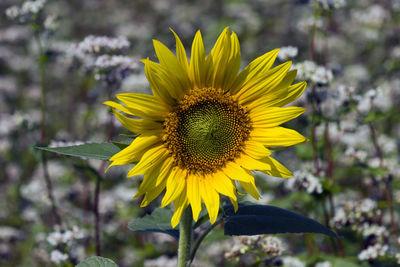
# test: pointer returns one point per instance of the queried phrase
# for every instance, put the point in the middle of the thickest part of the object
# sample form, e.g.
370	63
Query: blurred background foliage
64	58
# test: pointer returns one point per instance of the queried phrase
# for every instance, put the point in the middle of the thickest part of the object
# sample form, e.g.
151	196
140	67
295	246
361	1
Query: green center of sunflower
207	130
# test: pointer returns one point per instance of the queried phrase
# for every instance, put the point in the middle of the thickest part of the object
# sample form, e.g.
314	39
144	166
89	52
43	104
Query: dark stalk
329	171
42	60
97	223
388	193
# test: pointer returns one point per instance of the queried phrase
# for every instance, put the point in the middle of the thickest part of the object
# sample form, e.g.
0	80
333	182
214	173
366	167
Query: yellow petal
197	61
180	205
139	126
234	203
235	172
273	116
150	159
181	53
149	181
151	195
251	189
234	63
277	137
141	105
279	98
162	89
135	150
176	183
222	184
256	149
290	95
258	66
210	198
263	84
193	194
277	169
219	56
252	164
172	68
165	169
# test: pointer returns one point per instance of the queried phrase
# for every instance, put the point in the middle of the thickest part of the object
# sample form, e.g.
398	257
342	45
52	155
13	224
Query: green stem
200	239
185	238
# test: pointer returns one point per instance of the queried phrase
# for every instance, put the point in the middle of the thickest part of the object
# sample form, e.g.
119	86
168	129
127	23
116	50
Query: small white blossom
308	70
55	143
330	4
28	8
270	246
292	262
355	213
304	180
358	154
373	229
374	16
307	23
107	61
373	252
323	264
8	233
287	52
65	237
58	257
98	44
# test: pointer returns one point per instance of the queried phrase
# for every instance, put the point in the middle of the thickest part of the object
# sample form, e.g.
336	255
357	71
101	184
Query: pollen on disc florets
206	130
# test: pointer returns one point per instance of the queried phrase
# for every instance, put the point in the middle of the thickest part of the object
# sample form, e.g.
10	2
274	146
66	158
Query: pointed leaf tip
265	219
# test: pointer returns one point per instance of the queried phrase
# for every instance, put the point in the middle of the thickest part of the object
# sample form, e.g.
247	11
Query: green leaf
97	261
158	221
344	263
265	219
101	151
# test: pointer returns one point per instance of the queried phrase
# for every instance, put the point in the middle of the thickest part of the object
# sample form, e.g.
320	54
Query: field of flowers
60	60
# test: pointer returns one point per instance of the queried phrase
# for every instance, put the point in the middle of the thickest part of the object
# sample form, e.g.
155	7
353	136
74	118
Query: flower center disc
207	130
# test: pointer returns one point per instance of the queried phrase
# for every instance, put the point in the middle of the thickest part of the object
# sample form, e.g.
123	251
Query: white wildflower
162	261
308	70
304	180
54	143
27	9
287	52
7	233
323	264
292	262
58	257
373	230
307	23
374	16
355	213
99	44
357	154
373	252
107	62
330	4
270	246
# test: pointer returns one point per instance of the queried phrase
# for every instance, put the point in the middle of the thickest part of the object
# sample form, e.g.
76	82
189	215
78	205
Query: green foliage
158	221
97	261
264	219
101	151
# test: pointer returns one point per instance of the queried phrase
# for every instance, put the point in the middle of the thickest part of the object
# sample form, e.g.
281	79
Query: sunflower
207	125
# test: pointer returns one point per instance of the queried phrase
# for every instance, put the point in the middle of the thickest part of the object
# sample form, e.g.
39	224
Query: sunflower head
207	125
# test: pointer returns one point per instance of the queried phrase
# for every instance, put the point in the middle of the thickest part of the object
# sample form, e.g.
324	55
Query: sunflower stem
185	238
